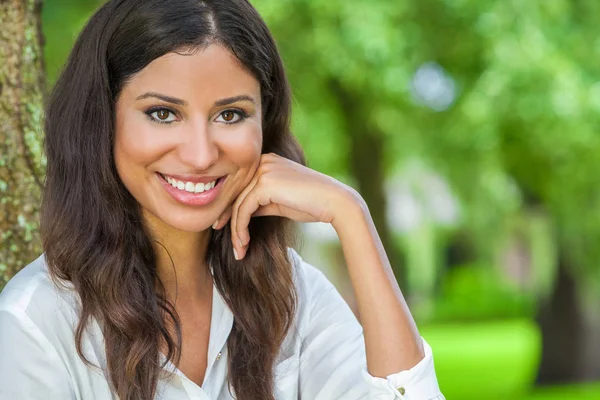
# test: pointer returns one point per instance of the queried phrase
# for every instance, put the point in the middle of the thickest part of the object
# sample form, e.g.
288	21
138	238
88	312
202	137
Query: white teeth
190	186
208	186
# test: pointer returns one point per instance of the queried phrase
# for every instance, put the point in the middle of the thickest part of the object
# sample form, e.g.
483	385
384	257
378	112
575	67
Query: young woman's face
182	123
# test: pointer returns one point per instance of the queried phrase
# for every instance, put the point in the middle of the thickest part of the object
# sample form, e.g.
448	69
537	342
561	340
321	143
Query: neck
181	263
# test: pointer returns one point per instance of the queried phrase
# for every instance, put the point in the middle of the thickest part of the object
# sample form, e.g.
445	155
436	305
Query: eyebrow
180	102
168	99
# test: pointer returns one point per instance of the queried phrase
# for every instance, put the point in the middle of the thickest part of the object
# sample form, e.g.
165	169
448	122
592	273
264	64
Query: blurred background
470	127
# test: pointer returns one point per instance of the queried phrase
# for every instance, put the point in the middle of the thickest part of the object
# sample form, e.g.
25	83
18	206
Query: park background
470	127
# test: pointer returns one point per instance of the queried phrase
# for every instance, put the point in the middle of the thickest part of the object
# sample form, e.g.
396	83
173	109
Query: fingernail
240	242
214	226
235	254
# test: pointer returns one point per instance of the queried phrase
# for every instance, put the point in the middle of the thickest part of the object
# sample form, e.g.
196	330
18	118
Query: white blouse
322	357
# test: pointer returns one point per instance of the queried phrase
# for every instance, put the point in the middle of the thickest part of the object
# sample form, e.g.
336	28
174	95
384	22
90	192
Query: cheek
133	152
136	146
244	148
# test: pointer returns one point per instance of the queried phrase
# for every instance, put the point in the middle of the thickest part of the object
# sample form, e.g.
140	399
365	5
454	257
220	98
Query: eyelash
240	113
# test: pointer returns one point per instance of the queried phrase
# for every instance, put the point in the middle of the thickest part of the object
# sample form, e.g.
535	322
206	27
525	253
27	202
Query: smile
190	187
190	191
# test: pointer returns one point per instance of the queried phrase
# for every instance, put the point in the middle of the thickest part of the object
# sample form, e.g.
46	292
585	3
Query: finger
242	242
278	210
223	219
235	239
268	210
253	201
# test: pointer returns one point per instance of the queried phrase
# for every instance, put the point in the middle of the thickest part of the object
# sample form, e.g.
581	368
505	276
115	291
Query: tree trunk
570	347
366	164
21	105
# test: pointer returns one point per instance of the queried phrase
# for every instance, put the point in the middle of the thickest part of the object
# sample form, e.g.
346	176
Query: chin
190	225
182	222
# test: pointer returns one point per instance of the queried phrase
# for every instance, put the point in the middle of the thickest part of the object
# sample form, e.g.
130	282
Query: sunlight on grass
580	392
494	361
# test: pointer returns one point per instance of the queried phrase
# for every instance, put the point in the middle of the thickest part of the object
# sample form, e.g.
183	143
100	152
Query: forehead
201	76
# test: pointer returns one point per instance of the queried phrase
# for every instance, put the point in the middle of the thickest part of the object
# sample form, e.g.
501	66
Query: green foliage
478	292
522	131
62	21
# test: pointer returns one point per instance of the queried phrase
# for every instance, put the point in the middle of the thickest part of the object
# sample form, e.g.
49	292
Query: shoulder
32	296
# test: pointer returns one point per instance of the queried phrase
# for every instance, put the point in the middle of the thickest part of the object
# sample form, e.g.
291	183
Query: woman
171	173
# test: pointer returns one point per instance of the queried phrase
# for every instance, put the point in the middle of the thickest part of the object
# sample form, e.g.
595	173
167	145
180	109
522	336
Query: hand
281	187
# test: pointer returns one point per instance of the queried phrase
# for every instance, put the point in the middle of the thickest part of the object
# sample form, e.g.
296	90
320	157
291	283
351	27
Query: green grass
493	361
580	392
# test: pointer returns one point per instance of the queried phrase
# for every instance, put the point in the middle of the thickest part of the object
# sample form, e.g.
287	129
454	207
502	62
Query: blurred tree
525	126
330	50
502	97
21	164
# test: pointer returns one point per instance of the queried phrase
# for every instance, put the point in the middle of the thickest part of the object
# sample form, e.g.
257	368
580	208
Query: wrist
349	207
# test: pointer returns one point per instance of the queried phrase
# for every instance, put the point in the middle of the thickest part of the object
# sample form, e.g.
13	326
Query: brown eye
162	114
228	116
232	116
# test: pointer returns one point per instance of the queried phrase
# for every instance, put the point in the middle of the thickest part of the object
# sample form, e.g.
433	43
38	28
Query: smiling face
182	123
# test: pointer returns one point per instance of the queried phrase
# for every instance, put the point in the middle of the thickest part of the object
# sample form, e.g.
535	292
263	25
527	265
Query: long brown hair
92	229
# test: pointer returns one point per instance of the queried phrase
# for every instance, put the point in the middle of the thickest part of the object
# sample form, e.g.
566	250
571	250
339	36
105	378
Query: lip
192	178
193	199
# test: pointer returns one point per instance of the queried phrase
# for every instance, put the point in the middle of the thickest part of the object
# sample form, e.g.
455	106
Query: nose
198	150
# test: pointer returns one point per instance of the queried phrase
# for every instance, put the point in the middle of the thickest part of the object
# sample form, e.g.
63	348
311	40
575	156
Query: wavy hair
92	229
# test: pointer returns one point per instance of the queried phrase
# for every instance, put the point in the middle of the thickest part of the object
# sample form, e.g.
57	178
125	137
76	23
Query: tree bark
570	348
21	109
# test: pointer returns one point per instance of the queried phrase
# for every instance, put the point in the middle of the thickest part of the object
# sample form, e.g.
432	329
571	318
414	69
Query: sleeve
30	368
333	359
